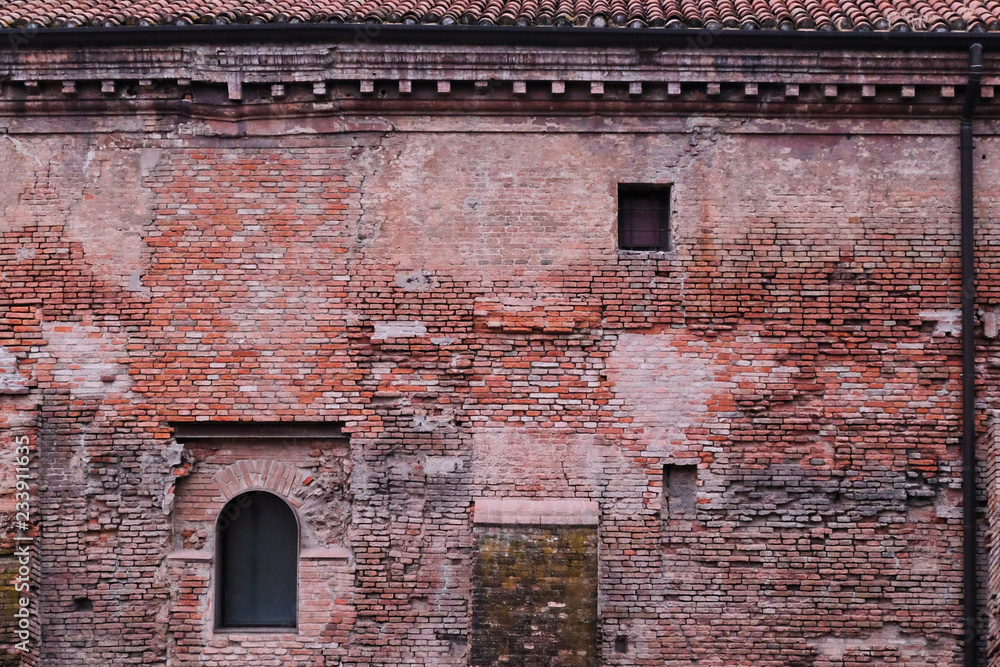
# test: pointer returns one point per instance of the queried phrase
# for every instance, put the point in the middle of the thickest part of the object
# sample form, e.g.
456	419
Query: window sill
646	254
329	553
191	555
281	631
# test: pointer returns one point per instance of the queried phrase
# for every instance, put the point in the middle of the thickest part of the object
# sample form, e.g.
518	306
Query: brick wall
449	290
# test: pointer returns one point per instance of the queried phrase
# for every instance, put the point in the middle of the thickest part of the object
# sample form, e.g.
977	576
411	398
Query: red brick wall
456	300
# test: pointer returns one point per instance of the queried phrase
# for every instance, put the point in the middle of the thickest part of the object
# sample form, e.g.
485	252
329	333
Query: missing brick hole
83	604
927	327
621	644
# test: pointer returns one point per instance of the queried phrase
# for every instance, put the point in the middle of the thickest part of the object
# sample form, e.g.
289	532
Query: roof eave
534	36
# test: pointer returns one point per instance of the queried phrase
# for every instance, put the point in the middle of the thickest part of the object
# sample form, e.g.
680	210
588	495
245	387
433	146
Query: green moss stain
8	605
534	600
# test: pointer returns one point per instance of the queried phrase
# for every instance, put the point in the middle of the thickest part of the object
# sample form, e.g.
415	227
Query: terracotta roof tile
844	15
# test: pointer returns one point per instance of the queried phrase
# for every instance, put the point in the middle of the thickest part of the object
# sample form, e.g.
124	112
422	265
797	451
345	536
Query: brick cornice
397	78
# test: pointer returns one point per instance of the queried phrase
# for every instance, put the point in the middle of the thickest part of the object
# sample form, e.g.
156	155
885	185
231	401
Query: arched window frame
218	587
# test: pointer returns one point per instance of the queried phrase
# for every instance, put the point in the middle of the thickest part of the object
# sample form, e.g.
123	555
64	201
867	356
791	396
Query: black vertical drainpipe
969	572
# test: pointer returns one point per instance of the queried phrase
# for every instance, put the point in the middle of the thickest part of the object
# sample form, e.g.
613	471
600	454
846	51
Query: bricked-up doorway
534	586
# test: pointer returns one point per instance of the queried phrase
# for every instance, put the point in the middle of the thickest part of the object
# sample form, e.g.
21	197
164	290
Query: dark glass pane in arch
258	554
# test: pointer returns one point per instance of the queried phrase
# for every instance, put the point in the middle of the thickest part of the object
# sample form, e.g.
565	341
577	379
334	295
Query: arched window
257	547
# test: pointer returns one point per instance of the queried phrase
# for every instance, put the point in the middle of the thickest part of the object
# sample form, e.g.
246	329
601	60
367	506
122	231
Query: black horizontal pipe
535	36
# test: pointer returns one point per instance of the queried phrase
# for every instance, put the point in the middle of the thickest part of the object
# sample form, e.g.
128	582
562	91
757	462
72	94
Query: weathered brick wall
450	291
325	617
310	475
992	480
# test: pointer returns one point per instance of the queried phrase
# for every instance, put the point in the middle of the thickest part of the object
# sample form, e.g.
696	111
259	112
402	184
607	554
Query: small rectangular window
643	217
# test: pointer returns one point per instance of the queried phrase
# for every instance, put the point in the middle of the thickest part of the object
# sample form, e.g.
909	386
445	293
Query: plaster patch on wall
991	322
23	150
509	459
398	329
194	128
949	322
11	382
428	423
175	457
668	388
471	179
21	172
888	636
415	281
442	465
108	216
135	283
85	359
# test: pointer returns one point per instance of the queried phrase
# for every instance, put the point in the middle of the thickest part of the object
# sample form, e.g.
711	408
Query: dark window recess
258	553
680	491
643	217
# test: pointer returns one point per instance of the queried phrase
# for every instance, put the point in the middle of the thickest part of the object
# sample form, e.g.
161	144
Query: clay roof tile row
843	15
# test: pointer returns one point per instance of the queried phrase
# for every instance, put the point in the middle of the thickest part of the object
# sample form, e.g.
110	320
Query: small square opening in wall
643	217
680	492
